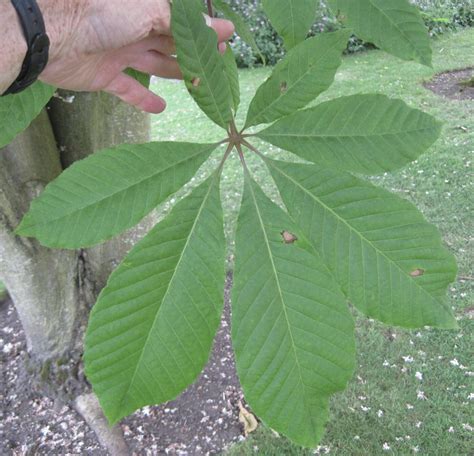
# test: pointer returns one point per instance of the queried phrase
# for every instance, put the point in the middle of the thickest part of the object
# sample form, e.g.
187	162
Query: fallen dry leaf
247	419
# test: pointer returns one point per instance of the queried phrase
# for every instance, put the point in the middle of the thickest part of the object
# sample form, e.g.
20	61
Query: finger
164	66
222	48
224	28
132	92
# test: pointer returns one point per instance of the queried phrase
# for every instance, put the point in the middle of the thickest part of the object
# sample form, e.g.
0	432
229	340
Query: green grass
383	402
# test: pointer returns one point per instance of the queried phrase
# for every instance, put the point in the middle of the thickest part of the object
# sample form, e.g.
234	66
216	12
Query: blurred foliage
440	16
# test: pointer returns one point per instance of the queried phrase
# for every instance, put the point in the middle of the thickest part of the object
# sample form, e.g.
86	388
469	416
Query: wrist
62	19
15	46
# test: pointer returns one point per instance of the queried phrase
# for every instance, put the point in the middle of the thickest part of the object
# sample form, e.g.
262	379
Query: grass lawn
413	390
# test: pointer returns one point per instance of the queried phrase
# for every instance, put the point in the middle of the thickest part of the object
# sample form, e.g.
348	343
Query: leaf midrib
65	215
258	118
265	133
280	292
359	234
163	300
203	71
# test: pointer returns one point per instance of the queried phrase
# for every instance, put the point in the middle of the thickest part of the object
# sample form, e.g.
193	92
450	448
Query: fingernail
208	20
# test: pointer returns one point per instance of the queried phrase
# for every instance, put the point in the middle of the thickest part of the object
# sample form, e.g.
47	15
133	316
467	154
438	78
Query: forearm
13	50
62	19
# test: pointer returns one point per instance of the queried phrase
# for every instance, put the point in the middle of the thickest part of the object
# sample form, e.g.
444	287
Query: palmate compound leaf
396	26
110	191
389	261
200	62
292	331
307	71
292	19
18	111
241	27
151	331
368	134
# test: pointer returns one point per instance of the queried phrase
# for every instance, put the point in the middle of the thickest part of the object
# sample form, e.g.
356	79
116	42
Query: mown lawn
413	390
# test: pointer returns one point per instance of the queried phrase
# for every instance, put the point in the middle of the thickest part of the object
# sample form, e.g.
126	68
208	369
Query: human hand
94	41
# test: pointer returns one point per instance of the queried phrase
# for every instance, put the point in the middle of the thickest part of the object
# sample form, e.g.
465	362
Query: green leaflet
109	192
200	62
18	111
368	134
142	78
152	329
232	74
292	19
389	261
307	71
241	26
292	331
395	26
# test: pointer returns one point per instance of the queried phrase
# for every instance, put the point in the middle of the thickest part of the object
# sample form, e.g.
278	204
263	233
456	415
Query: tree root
111	438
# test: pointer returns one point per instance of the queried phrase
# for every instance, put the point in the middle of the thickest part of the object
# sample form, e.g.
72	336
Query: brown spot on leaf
288	238
417	272
283	87
195	82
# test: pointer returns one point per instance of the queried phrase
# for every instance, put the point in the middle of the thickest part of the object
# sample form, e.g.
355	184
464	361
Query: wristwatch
34	30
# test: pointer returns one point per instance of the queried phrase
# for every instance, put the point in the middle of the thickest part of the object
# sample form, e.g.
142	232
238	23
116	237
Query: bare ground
203	420
451	84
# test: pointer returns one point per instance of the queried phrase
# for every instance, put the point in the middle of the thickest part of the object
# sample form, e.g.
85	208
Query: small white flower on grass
356	437
380	413
454	362
386	447
451	430
385	363
418	424
364	409
421	395
467	427
410	407
404	370
416	449
408	359
362	398
419	376
471	396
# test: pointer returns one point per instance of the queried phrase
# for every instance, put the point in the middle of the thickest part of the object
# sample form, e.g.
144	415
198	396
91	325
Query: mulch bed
450	84
203	420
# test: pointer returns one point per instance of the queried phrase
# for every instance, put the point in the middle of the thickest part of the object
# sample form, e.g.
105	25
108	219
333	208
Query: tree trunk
42	283
89	123
53	290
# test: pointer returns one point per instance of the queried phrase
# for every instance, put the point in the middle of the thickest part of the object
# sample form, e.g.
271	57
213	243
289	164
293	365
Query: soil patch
203	420
452	84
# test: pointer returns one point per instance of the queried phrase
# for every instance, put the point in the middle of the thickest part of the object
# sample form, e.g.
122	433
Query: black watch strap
36	58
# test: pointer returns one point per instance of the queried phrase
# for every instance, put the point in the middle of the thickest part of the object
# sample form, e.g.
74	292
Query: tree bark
86	123
42	283
53	290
